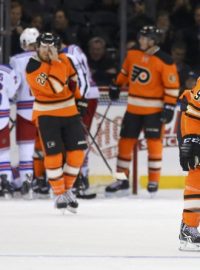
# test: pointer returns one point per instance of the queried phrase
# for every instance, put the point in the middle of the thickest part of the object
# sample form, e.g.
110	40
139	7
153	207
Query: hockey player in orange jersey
53	83
153	84
190	160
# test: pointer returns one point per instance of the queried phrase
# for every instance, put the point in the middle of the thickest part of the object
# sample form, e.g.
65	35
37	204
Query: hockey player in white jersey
9	82
87	108
25	130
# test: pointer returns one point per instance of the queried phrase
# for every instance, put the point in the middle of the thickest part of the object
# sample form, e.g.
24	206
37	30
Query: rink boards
107	138
172	175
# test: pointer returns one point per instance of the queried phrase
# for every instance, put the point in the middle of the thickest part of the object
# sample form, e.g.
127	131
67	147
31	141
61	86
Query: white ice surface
107	234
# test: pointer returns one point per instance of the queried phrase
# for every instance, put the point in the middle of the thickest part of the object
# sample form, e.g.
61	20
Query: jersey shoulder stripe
164	57
32	65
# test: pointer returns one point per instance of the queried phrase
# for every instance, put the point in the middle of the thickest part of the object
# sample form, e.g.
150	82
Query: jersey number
41	79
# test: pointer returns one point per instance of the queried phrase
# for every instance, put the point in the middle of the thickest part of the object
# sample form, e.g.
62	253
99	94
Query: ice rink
135	232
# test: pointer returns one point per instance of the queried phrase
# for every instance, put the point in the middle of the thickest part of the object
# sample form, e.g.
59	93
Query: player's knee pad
53	161
75	158
125	147
155	147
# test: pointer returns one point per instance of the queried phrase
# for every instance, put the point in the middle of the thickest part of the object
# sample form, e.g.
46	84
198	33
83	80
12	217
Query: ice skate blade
43	196
187	246
29	196
71	209
62	210
8	196
17	195
119	193
153	194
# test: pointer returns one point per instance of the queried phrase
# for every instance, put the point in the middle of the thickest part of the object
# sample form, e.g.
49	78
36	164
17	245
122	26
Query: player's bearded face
43	53
145	43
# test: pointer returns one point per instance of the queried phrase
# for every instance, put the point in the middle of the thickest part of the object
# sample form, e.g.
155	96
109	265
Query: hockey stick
98	129
98	148
13	123
93	195
108	119
103	118
118	175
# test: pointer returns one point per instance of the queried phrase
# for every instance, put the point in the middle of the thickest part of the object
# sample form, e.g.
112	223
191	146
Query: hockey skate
1	190
152	188
189	238
72	203
6	188
81	188
61	202
119	187
40	188
25	189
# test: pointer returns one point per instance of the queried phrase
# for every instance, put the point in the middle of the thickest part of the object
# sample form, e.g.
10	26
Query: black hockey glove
82	105
167	113
114	92
190	152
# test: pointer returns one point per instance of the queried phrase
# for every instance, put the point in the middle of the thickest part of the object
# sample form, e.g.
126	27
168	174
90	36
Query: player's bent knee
53	161
75	158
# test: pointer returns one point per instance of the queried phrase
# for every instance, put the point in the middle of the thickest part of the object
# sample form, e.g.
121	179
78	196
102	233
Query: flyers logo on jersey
140	74
197	96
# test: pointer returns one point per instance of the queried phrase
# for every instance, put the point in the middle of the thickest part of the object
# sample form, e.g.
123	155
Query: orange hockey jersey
152	81
191	121
49	85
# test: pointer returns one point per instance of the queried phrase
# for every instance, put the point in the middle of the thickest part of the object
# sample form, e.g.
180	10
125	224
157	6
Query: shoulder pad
32	65
164	57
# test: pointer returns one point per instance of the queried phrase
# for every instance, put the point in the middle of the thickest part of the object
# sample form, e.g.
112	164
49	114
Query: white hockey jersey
87	86
24	97
9	83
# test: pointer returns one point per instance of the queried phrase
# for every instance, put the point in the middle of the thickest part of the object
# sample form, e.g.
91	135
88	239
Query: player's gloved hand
82	105
114	92
190	152
167	113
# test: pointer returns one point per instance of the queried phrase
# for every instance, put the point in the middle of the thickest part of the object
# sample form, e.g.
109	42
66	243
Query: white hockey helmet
27	37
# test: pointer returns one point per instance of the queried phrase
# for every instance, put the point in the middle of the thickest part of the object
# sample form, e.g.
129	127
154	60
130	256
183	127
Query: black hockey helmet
152	32
50	39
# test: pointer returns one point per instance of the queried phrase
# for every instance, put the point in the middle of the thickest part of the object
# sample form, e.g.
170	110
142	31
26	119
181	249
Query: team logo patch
51	144
172	78
140	74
